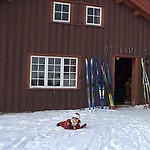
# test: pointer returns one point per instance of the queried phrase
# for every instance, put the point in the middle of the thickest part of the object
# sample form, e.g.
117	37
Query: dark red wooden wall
26	27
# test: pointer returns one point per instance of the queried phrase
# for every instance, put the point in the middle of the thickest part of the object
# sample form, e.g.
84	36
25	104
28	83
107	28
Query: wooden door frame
135	70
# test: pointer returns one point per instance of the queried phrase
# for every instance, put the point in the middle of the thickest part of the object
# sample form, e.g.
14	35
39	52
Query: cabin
44	43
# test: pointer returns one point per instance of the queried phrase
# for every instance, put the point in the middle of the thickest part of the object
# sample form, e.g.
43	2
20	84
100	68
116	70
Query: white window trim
63	21
101	15
61	76
31	71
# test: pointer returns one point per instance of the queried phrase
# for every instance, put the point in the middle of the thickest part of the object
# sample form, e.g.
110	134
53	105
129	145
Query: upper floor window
53	72
94	15
61	12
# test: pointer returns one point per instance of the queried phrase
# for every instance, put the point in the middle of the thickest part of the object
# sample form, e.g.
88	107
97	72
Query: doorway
123	81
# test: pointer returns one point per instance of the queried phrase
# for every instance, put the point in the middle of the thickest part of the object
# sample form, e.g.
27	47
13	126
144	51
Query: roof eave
139	7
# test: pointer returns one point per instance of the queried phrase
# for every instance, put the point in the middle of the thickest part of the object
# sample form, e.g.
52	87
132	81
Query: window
61	12
94	15
53	72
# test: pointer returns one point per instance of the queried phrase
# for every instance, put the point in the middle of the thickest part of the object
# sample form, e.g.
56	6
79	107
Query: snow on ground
121	129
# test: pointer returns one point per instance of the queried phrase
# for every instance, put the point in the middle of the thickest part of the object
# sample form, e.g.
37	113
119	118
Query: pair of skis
146	85
100	82
88	83
106	84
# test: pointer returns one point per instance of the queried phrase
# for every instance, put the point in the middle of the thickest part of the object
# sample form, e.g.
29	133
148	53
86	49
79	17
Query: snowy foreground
122	129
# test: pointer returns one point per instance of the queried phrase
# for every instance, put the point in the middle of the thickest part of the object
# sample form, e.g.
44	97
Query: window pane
73	61
66	83
66	61
66	75
41	60
34	60
97	20
57	16
97	12
50	68
50	83
72	83
90	19
66	68
73	69
57	68
57	7
51	61
34	67
65	8
90	11
41	83
65	16
72	76
41	74
34	75
41	67
57	82
51	75
57	75
34	82
57	61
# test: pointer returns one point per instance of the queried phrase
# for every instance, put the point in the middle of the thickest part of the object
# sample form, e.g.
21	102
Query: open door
125	72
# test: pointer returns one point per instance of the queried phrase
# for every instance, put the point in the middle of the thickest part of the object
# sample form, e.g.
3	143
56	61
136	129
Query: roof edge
139	7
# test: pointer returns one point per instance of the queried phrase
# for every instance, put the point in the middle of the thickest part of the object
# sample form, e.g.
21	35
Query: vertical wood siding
26	27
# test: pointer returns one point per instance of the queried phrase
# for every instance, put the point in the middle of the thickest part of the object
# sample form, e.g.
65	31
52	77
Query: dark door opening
123	78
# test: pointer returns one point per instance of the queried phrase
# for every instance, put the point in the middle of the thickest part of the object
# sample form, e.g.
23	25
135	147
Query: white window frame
100	16
54	11
62	72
